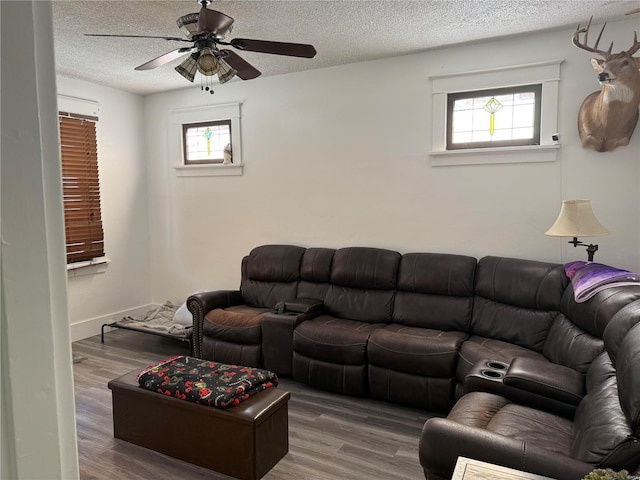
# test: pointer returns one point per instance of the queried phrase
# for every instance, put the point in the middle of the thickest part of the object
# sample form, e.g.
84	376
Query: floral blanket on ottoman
205	382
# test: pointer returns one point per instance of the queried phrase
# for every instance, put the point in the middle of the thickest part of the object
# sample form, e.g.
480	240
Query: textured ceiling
341	31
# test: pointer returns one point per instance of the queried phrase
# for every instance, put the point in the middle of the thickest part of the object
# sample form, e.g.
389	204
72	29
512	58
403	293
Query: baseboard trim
91	327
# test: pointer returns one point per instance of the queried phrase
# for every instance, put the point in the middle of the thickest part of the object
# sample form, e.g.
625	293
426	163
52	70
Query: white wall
339	157
38	417
124	286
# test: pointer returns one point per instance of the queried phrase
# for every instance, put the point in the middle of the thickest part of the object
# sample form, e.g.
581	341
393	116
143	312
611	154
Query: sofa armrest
308	306
199	304
550	380
443	441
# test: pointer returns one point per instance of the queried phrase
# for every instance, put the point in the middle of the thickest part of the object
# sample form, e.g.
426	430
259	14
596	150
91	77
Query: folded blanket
590	278
160	319
205	382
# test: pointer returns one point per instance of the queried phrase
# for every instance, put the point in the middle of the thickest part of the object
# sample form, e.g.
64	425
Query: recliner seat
330	350
602	434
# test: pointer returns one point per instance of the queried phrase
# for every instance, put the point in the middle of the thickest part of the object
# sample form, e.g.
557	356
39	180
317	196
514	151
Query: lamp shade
188	24
576	219
207	62
189	67
225	72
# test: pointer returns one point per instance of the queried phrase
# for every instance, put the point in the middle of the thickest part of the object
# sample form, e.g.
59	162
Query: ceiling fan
206	31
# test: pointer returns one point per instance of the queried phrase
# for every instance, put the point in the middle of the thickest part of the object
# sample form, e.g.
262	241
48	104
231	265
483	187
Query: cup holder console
486	376
491	374
494	369
496	365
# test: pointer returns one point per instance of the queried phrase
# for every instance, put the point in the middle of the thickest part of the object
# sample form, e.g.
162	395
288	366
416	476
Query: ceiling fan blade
162	59
276	48
177	39
245	70
212	21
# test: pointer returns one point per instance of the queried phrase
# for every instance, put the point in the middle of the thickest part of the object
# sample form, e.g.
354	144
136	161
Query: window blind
81	187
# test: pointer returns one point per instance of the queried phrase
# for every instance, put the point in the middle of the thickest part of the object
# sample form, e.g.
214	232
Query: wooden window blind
81	187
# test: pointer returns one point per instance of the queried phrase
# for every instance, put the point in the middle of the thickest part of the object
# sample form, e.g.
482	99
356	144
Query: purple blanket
590	278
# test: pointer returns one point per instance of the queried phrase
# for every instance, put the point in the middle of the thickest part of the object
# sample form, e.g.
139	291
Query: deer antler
576	41
636	45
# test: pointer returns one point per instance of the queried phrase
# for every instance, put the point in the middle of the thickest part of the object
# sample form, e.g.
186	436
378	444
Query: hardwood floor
331	437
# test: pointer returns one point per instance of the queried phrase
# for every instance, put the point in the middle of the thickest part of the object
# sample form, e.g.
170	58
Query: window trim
178	117
547	73
453	96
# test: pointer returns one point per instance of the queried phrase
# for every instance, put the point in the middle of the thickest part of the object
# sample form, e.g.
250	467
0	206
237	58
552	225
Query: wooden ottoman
244	441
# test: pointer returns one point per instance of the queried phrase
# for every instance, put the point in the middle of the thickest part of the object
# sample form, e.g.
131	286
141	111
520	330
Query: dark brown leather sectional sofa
530	378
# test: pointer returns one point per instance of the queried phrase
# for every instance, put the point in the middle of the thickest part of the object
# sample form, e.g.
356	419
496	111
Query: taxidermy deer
607	118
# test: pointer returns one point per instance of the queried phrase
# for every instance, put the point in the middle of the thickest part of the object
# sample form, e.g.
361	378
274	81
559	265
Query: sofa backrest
517	300
623	321
315	273
607	422
435	291
270	273
575	338
363	283
628	374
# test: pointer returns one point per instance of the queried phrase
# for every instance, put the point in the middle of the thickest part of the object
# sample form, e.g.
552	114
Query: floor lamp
576	219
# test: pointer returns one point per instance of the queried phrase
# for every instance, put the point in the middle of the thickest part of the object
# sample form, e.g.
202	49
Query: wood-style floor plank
331	437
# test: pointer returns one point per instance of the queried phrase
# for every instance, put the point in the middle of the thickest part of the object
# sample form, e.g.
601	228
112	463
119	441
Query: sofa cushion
437	274
618	327
370	306
594	316
569	345
521	326
419	351
628	374
517	300
476	348
363	282
270	273
435	291
428	393
275	263
315	273
498	415
432	311
316	265
363	267
334	340
522	283
599	424
239	324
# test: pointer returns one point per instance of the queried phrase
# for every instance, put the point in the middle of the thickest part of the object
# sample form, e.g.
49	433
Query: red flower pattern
205	382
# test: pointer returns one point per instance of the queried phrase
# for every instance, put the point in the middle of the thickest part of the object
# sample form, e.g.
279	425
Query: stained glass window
494	118
206	142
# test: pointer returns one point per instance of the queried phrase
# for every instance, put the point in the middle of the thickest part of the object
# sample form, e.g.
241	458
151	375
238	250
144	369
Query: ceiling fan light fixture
225	72
207	62
189	67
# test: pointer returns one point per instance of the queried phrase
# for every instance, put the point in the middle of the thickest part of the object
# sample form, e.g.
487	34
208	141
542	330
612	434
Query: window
206	142
461	134
188	145
494	118
81	187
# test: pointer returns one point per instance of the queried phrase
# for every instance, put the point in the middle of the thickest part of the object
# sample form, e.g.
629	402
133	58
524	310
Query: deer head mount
607	118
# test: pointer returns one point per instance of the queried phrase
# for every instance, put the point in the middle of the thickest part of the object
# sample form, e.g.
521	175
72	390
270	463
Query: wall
339	157
124	285
36	390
